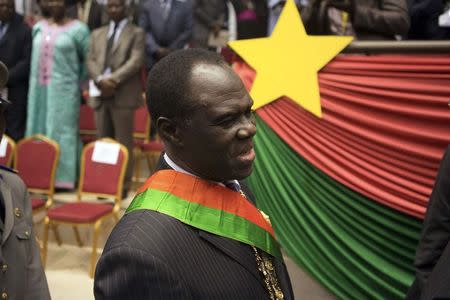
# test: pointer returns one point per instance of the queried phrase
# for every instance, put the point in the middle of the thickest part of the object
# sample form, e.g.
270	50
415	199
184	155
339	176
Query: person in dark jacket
15	52
368	19
432	262
21	272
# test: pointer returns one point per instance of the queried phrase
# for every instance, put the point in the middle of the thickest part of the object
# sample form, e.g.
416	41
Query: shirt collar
177	168
121	25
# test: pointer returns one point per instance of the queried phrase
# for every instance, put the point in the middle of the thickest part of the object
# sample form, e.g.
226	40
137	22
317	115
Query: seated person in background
432	261
193	232
364	19
21	272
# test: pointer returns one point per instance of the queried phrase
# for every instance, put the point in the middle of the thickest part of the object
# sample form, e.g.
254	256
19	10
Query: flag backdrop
347	193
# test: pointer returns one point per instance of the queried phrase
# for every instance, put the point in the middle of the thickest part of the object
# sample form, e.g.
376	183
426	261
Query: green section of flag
355	247
208	219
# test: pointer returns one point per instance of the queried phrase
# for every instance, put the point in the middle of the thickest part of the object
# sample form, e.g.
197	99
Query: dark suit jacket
22	275
424	20
150	255
432	261
15	52
206	13
173	33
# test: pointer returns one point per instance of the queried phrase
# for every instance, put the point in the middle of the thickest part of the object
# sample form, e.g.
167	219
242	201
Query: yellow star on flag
287	62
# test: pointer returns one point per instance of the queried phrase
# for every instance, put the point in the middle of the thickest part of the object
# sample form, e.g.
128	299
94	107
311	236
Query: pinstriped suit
153	256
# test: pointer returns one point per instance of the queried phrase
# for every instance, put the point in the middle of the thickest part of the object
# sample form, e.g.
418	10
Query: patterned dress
57	68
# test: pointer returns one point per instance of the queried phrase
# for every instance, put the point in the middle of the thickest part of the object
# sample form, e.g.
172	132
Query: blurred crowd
62	53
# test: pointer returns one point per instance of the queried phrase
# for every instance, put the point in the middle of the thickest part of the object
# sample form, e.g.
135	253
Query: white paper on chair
106	153
3	146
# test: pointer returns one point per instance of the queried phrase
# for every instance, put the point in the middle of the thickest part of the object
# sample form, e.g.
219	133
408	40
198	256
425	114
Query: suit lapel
235	250
172	12
102	42
8	34
122	37
9	216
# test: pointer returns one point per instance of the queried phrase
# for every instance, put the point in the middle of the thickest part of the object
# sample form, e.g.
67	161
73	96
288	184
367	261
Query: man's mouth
247	156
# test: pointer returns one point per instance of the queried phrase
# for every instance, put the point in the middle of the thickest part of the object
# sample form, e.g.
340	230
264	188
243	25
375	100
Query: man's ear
169	131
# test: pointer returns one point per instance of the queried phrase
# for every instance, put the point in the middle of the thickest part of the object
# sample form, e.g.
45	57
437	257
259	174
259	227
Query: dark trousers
16	116
117	123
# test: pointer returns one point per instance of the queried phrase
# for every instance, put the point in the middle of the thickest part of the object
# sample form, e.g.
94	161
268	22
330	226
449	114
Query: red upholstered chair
7	159
144	147
36	160
96	179
88	130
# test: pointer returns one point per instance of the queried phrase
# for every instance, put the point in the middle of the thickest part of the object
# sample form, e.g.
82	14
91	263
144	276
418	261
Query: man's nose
247	129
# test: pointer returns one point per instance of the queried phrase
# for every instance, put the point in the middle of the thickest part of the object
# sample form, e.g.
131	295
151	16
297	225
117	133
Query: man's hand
161	52
215	28
107	87
345	5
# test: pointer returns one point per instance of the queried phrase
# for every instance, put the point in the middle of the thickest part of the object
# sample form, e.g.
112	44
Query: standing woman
60	46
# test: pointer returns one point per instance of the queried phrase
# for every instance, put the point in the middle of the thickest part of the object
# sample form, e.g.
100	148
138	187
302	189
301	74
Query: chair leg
151	161
44	248
116	217
56	233
77	236
137	167
94	248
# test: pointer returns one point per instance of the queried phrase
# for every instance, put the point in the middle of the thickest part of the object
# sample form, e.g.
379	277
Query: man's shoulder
149	228
101	30
11	178
19	24
135	29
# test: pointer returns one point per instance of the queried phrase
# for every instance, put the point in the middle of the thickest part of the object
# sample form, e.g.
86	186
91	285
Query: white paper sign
106	153
444	19
93	90
3	147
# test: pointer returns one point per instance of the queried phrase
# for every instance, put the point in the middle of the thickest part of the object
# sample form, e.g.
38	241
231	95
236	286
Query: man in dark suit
167	25
432	261
115	58
433	253
21	272
192	232
209	18
15	51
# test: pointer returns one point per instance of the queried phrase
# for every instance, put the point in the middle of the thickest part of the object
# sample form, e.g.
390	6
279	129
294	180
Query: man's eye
226	122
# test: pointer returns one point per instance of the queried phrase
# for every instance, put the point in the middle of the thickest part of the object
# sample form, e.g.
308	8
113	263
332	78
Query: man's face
116	10
6	10
218	136
56	8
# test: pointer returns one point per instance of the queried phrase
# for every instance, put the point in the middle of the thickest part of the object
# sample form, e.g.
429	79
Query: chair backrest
99	178
87	120
6	158
36	161
141	123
